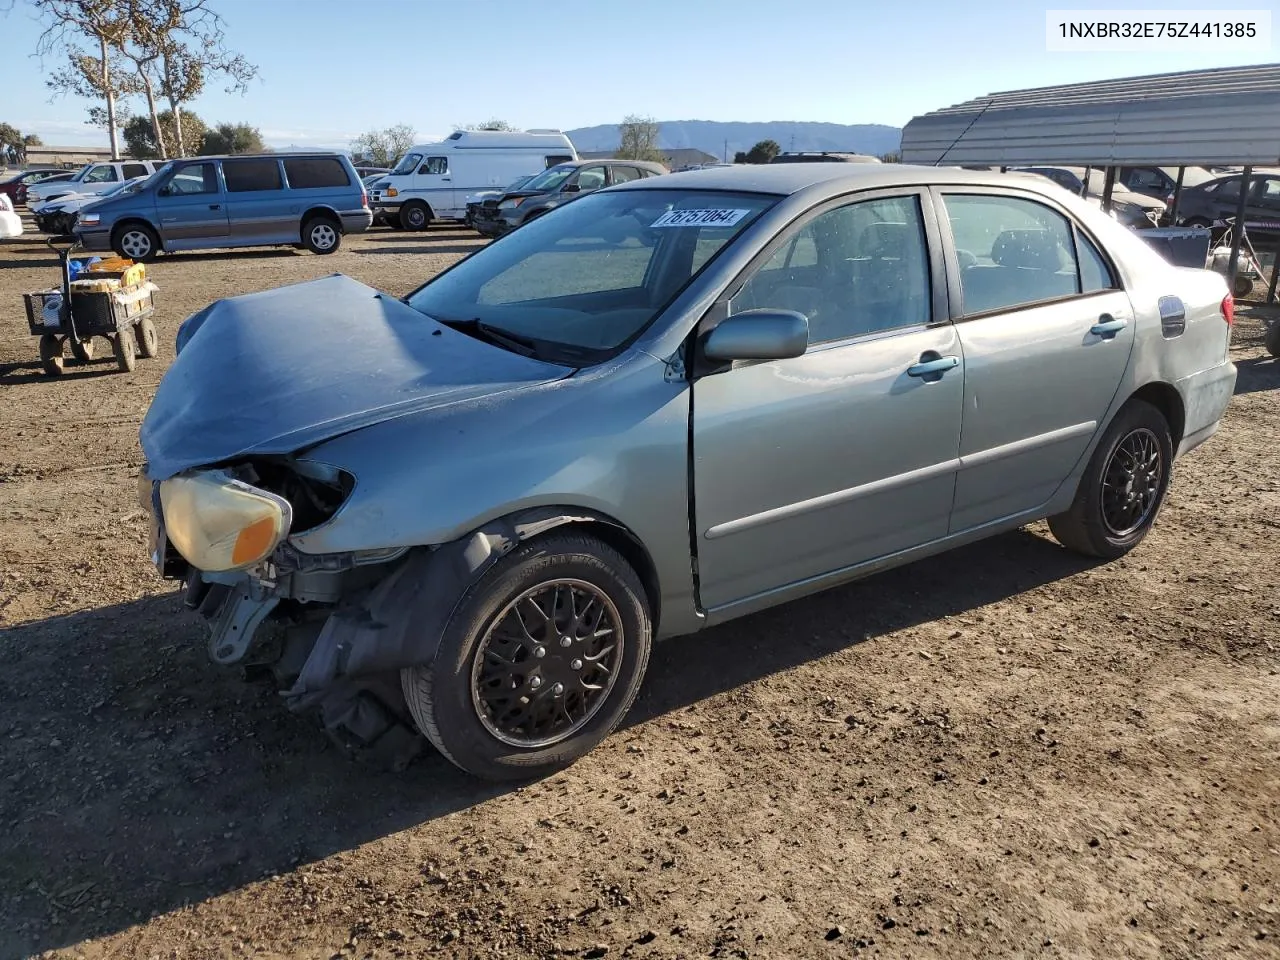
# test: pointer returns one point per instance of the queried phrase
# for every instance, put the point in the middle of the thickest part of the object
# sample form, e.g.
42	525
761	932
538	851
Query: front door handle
215	206
933	369
1108	326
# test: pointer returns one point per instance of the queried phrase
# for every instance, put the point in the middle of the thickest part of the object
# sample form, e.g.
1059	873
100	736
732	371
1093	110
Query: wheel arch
1165	398
320	210
399	623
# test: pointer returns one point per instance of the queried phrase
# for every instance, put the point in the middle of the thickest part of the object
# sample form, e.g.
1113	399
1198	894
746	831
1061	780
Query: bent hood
278	371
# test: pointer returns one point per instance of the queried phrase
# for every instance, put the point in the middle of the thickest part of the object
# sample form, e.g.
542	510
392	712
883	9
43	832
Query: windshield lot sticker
700	218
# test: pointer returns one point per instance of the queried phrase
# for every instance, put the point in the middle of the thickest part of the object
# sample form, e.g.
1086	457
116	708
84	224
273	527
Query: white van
92	178
432	181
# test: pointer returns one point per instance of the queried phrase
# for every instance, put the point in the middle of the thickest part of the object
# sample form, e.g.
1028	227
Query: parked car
15	187
10	222
1134	210
91	178
476	200
58	217
1219	199
309	200
555	187
1160	182
1130	214
366	172
658	408
432	181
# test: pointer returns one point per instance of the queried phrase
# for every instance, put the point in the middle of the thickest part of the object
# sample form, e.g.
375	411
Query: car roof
788	178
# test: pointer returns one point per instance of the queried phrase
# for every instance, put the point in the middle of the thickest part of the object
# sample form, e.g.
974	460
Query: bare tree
384	147
174	45
104	23
494	124
638	139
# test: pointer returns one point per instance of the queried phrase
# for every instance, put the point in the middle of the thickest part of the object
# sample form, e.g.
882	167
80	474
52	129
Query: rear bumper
1205	396
357	221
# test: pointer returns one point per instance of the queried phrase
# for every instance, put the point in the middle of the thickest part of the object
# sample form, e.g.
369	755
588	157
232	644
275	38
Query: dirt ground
1001	752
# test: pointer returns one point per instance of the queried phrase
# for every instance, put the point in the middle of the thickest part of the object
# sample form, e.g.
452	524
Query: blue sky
331	69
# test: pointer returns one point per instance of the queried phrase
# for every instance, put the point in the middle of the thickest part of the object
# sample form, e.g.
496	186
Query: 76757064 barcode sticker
699	218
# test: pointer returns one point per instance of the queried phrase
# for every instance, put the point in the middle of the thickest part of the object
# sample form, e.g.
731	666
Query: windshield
550	178
518	183
407	164
586	280
80	174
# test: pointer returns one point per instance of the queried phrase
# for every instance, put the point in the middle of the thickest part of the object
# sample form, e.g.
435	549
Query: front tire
137	242
1123	487
540	662
322	235
124	346
415	215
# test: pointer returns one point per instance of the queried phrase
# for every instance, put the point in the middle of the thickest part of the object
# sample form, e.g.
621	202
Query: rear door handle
1107	327
933	369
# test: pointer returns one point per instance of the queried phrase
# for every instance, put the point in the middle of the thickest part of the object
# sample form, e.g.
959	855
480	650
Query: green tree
763	152
894	157
383	148
232	138
140	135
740	157
14	143
638	139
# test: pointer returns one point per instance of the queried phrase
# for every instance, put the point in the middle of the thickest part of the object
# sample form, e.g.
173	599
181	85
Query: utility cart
109	298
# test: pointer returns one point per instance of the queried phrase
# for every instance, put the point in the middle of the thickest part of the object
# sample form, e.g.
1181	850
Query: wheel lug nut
558	688
539	652
577	664
566	641
535	683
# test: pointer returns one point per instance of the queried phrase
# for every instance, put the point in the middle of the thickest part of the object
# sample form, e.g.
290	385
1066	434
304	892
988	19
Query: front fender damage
351	673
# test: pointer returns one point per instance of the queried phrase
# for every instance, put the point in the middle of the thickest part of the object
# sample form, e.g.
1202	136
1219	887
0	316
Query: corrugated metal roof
1225	116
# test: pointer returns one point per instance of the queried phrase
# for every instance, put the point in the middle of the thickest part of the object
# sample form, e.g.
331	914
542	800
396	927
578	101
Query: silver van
308	200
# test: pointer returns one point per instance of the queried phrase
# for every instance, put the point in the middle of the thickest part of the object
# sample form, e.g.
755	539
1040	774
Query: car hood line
278	371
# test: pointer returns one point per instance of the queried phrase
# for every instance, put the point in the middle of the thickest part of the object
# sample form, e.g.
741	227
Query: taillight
364	198
1229	309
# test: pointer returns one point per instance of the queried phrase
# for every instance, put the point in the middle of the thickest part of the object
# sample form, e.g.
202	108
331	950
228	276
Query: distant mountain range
721	139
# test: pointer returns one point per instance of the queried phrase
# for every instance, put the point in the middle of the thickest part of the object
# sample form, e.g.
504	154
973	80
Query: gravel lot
1002	752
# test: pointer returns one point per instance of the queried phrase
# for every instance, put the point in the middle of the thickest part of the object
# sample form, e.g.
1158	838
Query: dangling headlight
219	523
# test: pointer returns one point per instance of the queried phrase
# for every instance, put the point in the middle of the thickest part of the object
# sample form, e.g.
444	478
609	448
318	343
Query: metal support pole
1084	188
1237	235
1275	273
1177	197
1108	187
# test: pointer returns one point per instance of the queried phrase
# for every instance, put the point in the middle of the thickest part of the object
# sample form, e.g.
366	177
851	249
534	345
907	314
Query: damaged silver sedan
469	512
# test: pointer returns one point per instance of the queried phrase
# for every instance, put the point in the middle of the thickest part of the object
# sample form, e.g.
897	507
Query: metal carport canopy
1228	117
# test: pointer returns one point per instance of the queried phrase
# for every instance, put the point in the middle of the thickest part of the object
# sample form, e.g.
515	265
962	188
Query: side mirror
758	335
571	188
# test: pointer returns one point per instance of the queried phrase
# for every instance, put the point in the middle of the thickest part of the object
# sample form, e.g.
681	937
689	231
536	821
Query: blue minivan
309	200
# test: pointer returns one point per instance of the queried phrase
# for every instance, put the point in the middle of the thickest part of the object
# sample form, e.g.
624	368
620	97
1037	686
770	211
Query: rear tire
322	235
51	354
1271	338
1123	486
558	626
1241	287
124	346
415	215
148	340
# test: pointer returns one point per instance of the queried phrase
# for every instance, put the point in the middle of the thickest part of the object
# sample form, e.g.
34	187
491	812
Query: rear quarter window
243	176
306	173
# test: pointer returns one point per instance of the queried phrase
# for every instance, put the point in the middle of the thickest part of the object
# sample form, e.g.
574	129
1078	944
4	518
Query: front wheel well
1168	401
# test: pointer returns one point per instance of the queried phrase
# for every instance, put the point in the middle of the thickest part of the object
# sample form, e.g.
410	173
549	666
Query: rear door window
248	176
624	174
310	172
132	170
